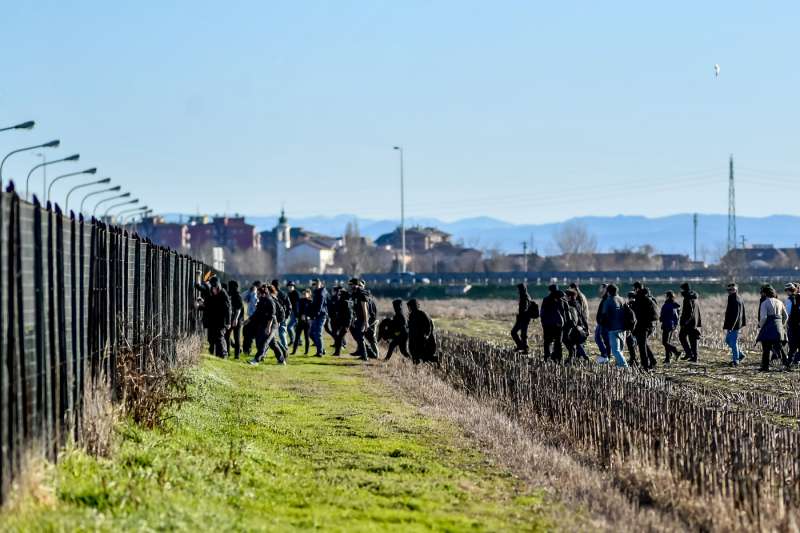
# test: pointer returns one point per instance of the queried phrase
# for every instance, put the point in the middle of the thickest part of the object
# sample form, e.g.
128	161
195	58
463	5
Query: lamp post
104	200
61	177
402	210
112	207
51	144
126	212
81	186
95	193
22	126
43	165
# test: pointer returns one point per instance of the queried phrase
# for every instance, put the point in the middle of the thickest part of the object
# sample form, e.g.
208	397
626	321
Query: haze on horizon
526	113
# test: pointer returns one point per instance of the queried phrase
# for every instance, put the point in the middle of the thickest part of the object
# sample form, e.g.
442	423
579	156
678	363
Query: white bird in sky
716	71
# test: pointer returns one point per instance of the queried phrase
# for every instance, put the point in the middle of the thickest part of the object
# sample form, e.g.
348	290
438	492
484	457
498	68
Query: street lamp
104	200
144	212
110	189
61	177
111	207
23	126
402	210
82	185
51	144
125	212
73	157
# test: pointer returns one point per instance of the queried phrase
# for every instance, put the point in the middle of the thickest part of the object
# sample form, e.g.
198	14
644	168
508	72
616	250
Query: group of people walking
281	320
630	323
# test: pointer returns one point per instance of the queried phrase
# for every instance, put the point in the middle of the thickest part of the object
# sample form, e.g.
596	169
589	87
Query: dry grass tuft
33	486
149	385
99	417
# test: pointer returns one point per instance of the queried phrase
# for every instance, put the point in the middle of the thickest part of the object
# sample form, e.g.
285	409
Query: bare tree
357	255
574	238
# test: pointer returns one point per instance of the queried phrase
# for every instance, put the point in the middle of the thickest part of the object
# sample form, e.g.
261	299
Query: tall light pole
81	186
61	177
114	206
95	193
126	212
23	126
51	144
402	211
104	200
43	165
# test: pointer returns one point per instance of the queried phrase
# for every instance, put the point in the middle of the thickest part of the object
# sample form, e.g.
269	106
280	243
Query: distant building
418	239
762	256
299	251
173	235
232	233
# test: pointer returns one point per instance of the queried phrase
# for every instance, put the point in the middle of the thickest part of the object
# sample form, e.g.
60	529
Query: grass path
314	445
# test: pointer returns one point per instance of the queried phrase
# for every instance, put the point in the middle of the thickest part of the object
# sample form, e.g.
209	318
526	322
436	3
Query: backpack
629	317
533	310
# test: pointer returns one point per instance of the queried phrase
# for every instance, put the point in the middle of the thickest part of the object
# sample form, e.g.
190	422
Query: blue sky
526	111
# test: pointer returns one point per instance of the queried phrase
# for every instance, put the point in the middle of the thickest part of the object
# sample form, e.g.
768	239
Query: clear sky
521	110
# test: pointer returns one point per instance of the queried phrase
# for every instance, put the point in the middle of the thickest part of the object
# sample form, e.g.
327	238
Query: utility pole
731	208
694	222
744	241
525	256
402	211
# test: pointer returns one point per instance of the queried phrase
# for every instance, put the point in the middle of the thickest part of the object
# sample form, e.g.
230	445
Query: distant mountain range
670	234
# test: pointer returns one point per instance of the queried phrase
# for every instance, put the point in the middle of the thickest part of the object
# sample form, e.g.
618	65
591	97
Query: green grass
314	445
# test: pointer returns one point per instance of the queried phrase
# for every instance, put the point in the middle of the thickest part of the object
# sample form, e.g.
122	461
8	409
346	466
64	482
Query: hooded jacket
553	312
734	314
421	340
670	315
690	314
645	310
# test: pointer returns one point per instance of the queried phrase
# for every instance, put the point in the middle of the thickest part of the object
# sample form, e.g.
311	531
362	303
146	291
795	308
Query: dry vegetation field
711	446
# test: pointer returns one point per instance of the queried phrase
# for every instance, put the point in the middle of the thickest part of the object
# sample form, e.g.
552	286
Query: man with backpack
527	310
614	318
576	328
361	316
553	316
341	319
646	312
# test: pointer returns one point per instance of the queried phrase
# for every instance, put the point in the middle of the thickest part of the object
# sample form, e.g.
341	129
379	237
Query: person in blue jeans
318	314
735	320
600	333
614	322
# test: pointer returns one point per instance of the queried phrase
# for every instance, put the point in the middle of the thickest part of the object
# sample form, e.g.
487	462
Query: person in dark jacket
646	312
294	298
265	324
341	319
576	328
217	316
600	332
553	314
613	313
286	310
360	319
690	323
772	319
251	299
302	324
735	320
525	308
234	334
792	304
394	330
370	335
421	337
669	318
318	315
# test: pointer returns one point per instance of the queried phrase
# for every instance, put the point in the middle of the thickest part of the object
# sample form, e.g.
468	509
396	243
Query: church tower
283	241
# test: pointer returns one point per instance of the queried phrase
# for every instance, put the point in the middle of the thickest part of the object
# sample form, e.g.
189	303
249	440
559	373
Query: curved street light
95	193
81	186
51	144
131	210
61	177
111	207
22	126
73	157
104	200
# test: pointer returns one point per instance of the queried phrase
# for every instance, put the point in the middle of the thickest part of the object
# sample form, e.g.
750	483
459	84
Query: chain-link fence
72	294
